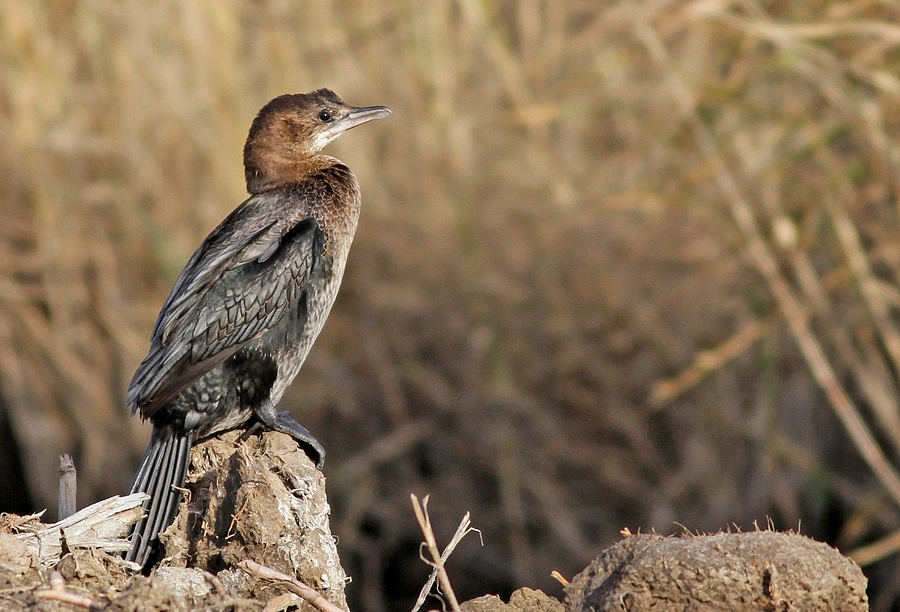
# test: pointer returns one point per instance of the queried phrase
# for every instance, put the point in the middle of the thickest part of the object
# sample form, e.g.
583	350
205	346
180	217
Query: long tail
162	470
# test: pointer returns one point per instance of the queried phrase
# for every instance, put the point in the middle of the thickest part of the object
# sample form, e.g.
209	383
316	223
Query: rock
184	581
765	571
523	600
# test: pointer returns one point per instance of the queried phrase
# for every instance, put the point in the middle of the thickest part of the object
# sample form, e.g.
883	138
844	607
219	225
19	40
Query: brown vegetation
619	264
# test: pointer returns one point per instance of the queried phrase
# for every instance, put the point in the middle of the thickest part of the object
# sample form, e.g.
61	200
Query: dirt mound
261	500
763	571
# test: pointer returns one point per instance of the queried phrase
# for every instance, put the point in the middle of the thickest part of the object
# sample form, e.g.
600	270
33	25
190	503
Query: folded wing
246	275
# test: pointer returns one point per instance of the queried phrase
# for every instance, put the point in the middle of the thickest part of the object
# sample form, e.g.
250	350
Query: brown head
294	127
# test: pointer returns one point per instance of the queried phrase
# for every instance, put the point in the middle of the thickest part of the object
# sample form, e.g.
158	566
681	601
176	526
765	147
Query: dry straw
619	264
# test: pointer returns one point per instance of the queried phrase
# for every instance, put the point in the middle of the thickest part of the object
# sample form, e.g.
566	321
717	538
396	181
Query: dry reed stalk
258	570
67	487
438	559
537	247
760	254
706	363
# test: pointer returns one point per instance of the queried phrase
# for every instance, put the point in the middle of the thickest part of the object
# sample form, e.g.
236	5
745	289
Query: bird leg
285	423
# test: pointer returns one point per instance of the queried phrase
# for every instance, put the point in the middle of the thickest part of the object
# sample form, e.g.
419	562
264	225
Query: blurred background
620	265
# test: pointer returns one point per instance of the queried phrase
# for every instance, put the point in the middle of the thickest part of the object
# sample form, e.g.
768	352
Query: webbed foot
285	423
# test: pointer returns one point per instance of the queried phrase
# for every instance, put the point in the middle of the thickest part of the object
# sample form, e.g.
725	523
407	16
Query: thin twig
257	570
705	363
438	559
58	592
237	515
281	602
870	289
866	555
215	582
559	578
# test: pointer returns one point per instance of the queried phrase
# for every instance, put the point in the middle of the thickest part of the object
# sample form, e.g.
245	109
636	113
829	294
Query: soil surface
262	499
765	570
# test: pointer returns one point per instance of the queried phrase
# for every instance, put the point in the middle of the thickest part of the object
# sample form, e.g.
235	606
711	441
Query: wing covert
238	284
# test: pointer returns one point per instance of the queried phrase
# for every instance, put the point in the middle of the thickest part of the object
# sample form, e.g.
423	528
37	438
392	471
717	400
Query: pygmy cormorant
250	302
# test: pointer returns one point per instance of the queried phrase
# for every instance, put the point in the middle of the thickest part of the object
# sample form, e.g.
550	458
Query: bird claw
254	427
285	423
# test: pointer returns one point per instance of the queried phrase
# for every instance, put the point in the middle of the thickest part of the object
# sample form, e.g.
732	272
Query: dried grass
575	204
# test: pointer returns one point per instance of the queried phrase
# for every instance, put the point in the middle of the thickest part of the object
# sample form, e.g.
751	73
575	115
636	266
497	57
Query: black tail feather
182	455
162	470
160	495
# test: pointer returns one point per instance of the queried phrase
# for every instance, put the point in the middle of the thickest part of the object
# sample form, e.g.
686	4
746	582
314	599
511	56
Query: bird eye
326	116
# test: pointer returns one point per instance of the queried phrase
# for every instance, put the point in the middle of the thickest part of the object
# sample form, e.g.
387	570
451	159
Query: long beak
357	116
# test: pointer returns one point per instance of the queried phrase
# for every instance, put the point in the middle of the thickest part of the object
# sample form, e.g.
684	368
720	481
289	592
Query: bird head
294	127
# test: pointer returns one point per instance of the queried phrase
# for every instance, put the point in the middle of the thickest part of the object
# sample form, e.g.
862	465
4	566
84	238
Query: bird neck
270	171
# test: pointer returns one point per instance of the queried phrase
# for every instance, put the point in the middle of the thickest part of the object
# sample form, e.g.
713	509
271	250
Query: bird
248	305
